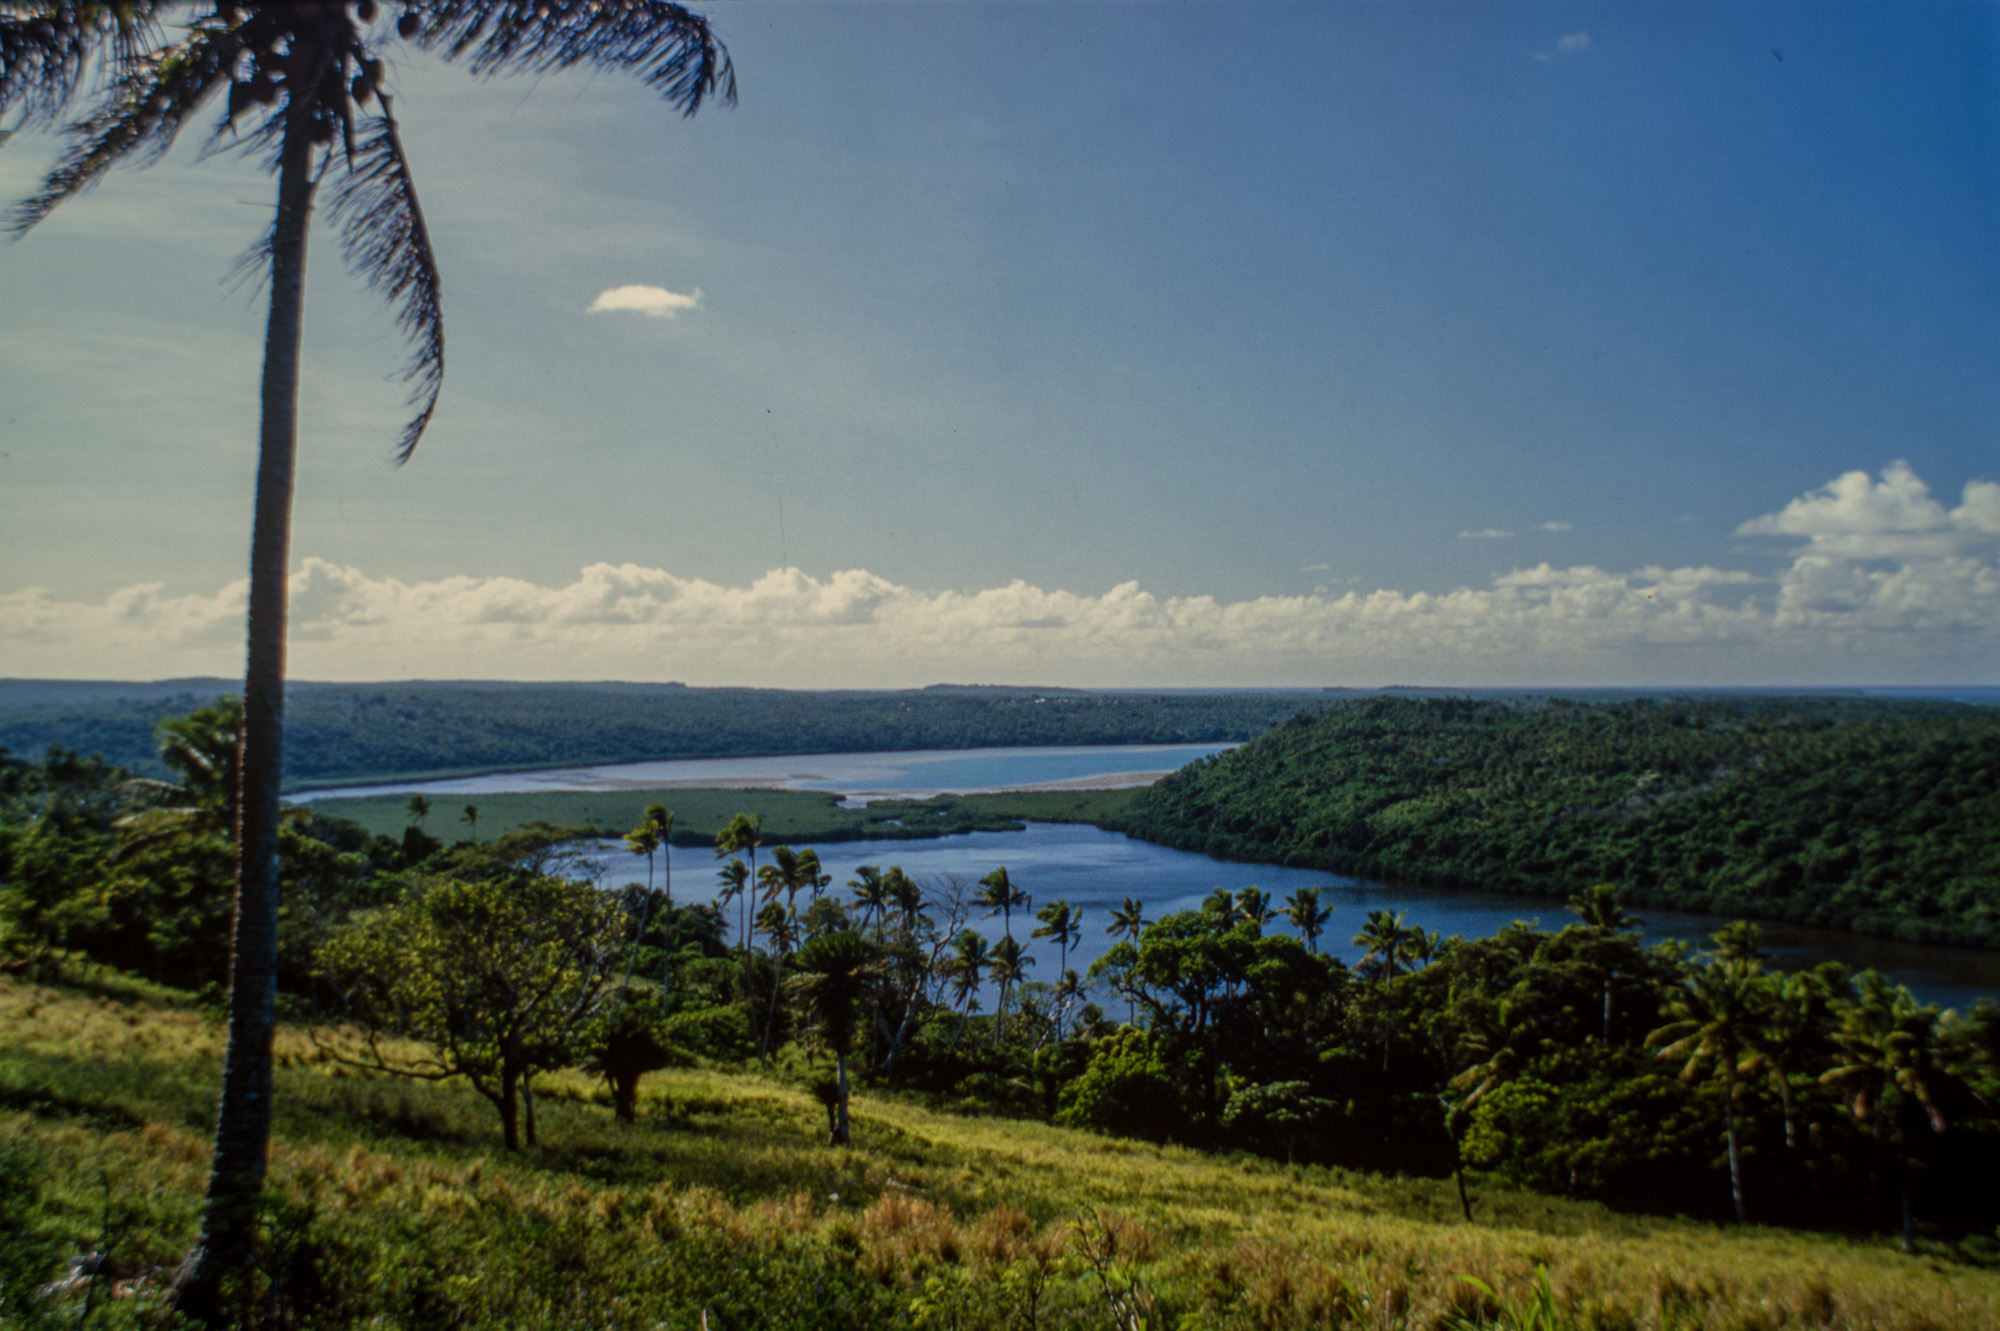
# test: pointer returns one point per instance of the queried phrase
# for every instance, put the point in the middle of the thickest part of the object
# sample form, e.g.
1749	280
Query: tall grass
393	1207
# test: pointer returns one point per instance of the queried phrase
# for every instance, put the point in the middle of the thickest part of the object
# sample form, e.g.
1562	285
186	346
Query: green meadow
722	1206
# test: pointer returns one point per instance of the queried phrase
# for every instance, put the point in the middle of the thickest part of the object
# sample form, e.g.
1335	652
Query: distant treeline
358	733
1883	817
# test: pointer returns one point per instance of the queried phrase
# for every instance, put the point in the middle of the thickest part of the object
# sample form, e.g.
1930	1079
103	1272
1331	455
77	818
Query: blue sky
1103	343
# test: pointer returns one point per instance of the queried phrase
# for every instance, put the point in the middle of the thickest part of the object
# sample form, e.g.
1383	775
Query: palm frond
137	119
47	49
672	49
385	243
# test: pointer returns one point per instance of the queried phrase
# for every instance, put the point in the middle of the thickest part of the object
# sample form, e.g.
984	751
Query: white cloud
1569	44
1558	526
655	302
1857	517
1485	534
1315	568
1839	611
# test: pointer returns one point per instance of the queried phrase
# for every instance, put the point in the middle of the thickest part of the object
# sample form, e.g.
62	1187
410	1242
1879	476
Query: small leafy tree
487	980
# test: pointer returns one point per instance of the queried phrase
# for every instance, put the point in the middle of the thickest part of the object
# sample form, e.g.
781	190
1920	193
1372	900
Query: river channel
1097	870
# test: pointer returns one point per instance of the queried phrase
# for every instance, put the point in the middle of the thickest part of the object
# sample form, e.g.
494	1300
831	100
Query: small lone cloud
1558	526
1485	534
1315	568
653	302
1567	45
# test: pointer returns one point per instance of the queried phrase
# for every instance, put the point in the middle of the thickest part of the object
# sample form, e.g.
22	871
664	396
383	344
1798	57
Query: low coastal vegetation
1882	817
793	816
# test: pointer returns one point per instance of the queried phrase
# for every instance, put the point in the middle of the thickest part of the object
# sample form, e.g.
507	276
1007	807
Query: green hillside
1876	816
722	1207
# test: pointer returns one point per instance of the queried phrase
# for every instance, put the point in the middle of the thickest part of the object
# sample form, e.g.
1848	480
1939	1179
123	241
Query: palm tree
1062	922
1386	940
871	893
301	76
968	961
1739	940
1002	896
659	825
661	820
1793	1034
744	833
201	749
419	809
1711	1012
906	895
735	877
1008	965
811	879
643	840
1599	908
471	819
1128	921
1889	1060
1302	908
1253	905
835	972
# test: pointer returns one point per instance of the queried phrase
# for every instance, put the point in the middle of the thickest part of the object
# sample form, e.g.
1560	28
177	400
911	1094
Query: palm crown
301	72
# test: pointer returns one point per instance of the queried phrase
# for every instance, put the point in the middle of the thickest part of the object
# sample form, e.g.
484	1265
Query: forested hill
1876	816
354	733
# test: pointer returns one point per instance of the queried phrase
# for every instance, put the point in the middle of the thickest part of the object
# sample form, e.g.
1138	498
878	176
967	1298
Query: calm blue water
1097	870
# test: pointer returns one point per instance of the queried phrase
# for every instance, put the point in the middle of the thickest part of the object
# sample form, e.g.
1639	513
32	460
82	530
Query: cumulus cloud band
1889	585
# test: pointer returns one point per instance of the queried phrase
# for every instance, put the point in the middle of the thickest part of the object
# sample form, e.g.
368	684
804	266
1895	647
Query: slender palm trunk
1735	1157
667	925
227	1243
840	1081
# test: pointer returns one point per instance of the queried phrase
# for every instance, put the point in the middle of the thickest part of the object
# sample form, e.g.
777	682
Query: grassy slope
789	815
722	1198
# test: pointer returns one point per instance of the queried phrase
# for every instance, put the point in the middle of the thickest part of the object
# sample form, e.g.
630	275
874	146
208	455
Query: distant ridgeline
350	733
1882	817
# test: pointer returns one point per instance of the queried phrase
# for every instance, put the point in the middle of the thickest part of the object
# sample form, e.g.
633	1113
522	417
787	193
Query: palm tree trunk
1735	1157
243	1122
667	924
1909	1206
840	1081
